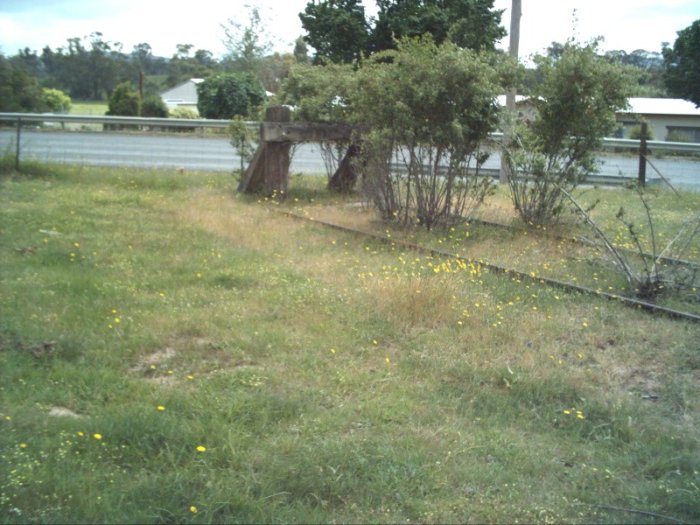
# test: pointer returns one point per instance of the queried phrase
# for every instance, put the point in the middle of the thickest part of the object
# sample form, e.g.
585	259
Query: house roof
662	106
642	106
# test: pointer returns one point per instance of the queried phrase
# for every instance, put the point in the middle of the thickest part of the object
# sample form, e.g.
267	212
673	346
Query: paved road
193	152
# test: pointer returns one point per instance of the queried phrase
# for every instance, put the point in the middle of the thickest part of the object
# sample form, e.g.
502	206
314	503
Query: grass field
88	108
174	352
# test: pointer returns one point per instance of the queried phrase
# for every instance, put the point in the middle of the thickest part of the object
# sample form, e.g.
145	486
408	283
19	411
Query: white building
670	119
182	96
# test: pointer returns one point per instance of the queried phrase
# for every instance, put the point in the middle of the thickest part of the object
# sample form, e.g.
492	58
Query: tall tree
143	60
682	64
30	62
246	45
182	66
88	68
301	51
472	24
336	29
340	32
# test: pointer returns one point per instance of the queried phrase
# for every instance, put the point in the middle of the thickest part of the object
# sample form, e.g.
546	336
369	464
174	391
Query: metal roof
662	106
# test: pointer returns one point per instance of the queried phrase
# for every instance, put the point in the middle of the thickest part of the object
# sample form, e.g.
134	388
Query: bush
678	136
636	133
154	107
226	95
56	100
183	113
319	94
124	101
241	139
649	275
576	102
430	109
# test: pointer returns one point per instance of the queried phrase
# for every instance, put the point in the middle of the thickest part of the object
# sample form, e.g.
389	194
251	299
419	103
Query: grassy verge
171	351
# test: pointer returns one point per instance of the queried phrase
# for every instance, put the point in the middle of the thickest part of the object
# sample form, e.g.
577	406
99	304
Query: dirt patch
643	381
64	412
153	360
182	357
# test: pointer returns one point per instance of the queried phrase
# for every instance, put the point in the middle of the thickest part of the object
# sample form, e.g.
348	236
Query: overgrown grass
171	351
550	251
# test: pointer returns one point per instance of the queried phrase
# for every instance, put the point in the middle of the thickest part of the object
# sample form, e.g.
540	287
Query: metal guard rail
608	143
123	121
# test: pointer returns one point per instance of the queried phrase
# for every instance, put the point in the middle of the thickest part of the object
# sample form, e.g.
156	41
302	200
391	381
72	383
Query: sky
623	24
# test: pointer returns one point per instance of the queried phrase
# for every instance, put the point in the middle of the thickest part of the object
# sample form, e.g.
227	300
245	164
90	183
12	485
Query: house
526	111
183	95
669	119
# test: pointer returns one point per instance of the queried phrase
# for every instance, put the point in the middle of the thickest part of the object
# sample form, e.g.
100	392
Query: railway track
628	301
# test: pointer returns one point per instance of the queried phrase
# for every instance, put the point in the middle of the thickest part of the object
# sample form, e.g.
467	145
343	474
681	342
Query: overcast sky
624	24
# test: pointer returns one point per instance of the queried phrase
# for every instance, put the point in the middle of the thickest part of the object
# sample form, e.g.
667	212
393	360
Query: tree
87	68
19	91
226	95
471	24
682	64
301	51
336	29
246	45
31	63
182	66
340	32
576	104
143	60
273	69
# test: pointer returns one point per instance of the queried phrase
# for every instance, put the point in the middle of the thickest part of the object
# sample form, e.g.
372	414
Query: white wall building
182	96
670	119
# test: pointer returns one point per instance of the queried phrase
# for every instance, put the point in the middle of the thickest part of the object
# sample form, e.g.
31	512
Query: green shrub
430	108
679	136
636	133
124	101
154	107
56	100
183	113
576	104
241	139
229	94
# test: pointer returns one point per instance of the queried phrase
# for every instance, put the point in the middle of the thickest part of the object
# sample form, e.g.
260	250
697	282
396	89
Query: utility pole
514	44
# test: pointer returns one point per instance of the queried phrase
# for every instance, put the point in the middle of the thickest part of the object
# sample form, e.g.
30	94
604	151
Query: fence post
268	171
17	146
642	178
